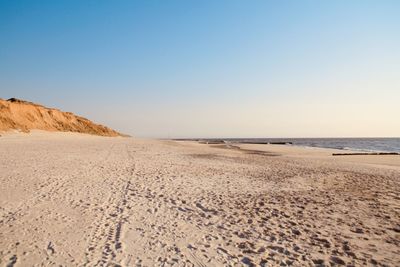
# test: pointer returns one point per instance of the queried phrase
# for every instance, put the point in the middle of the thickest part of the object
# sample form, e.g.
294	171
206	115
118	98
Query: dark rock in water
365	154
215	142
280	143
267	143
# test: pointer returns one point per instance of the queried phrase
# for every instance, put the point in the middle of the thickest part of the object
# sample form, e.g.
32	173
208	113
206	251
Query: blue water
360	144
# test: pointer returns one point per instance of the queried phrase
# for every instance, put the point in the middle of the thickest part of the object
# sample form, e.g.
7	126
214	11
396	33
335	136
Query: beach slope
20	115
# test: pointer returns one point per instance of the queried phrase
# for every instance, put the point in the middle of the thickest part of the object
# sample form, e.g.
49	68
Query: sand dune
79	200
24	116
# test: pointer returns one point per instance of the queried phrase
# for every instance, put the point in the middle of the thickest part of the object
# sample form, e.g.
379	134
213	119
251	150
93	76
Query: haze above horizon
197	69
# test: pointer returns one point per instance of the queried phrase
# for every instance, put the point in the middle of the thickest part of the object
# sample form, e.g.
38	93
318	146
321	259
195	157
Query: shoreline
297	143
316	153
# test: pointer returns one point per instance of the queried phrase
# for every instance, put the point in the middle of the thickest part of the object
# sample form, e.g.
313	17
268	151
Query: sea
358	144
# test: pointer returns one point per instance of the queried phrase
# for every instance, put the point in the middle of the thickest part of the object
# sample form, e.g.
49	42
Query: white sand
73	200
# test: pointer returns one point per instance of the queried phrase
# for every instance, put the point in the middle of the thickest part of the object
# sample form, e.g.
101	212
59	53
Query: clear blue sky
209	68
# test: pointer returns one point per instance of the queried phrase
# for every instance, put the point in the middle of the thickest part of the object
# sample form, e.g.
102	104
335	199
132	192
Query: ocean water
359	144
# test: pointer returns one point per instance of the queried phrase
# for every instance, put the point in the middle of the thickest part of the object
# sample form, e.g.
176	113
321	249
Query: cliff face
21	115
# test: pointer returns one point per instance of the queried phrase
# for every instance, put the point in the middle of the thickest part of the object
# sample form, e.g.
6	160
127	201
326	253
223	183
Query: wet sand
74	200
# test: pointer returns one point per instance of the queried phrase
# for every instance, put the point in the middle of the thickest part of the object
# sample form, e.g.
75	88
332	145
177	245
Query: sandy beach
79	200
